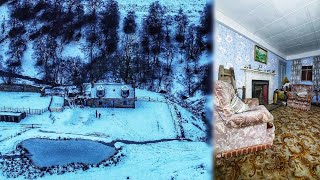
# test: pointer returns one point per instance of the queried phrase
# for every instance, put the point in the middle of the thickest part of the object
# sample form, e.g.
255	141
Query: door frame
281	76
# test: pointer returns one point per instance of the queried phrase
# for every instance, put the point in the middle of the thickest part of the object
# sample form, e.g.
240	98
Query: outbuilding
12	116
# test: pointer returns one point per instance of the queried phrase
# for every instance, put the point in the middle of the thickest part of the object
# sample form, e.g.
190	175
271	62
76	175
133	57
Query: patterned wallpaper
308	61
235	50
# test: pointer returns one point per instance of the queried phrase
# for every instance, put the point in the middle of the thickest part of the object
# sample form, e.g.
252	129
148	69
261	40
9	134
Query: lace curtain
296	71
316	73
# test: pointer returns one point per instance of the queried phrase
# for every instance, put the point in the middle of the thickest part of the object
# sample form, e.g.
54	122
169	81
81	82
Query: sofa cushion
251	102
255	115
223	94
238	106
302	93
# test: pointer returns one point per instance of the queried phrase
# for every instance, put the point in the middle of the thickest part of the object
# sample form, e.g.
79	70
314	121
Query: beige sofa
246	132
300	97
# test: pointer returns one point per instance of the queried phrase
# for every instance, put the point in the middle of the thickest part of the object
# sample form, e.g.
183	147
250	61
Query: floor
295	153
272	107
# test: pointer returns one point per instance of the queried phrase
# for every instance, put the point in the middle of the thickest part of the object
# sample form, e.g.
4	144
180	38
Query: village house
109	95
95	95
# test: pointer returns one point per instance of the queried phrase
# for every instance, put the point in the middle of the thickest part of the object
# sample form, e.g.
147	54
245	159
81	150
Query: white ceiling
290	26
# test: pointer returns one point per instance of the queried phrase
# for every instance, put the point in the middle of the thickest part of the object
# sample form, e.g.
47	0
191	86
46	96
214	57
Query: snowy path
148	142
177	119
178	115
74	134
16	135
122	140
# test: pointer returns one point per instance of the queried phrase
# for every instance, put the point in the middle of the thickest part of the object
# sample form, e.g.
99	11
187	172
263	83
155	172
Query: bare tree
181	28
130	46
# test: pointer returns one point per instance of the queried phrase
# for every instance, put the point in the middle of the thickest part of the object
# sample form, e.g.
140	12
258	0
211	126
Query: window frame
308	68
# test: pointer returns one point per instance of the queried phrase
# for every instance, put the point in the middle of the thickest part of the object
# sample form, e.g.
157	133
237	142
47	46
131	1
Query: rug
295	153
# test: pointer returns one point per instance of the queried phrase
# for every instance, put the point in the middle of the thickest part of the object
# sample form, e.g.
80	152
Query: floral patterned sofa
246	132
300	97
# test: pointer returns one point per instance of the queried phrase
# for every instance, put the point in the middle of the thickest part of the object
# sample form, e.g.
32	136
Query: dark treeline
144	53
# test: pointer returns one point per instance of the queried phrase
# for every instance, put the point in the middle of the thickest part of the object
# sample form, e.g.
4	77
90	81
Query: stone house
109	95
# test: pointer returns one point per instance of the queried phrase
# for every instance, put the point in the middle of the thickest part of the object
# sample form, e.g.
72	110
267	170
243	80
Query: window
306	74
100	93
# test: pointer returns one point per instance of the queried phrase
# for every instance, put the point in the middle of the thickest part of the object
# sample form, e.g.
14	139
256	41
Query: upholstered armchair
300	97
239	133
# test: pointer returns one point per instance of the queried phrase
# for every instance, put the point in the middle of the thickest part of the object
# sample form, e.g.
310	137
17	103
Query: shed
12	116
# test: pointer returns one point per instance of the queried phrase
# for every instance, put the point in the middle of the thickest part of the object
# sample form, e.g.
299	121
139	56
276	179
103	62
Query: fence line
28	111
147	98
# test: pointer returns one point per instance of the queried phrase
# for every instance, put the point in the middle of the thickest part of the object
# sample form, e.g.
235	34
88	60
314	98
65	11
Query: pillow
238	106
302	93
286	86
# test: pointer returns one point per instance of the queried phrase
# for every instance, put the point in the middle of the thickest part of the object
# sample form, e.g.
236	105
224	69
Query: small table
285	93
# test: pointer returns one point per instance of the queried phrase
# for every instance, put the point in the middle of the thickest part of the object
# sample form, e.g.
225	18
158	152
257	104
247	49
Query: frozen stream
47	152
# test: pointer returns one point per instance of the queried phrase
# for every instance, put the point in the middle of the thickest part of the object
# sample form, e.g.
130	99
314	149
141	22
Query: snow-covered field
166	160
130	124
57	102
147	130
23	100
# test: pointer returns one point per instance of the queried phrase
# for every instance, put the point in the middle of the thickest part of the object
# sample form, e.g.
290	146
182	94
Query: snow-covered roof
72	89
100	88
62	90
55	90
111	90
10	113
125	88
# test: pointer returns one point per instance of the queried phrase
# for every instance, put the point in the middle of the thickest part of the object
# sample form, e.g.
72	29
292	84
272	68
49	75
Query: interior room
267	87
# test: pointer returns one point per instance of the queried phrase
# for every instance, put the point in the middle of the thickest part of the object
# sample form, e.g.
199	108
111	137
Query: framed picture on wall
260	54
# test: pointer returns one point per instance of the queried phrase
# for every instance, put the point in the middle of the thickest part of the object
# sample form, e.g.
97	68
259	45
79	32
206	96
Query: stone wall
19	88
111	102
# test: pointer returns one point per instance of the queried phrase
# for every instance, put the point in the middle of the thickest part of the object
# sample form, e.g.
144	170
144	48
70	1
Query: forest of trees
143	53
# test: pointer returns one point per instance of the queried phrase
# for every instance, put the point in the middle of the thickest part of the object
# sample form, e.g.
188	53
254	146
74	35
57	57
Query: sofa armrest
309	98
291	95
250	118
251	102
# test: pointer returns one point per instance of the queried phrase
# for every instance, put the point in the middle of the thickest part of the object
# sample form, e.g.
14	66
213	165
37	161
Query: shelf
257	71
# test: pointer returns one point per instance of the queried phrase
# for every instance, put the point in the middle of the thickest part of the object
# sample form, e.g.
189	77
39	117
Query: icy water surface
46	152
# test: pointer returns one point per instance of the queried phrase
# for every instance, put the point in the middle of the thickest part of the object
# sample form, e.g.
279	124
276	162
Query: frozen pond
46	152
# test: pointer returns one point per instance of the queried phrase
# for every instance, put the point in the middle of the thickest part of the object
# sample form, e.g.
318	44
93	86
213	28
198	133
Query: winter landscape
105	89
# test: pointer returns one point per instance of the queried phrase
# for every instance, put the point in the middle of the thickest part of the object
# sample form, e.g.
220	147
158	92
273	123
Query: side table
283	96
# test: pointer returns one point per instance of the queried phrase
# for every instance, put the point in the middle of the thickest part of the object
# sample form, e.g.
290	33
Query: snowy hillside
23	100
158	46
162	48
192	8
69	55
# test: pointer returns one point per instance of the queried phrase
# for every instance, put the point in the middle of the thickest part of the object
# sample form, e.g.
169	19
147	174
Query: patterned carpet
294	155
